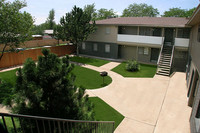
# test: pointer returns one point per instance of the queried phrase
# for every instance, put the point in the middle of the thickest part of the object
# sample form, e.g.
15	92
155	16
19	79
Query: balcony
182	42
154	40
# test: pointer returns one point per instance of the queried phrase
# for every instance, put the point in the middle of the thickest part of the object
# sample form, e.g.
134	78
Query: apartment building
193	71
152	40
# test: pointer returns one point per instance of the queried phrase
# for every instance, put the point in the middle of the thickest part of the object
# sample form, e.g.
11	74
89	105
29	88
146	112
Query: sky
39	9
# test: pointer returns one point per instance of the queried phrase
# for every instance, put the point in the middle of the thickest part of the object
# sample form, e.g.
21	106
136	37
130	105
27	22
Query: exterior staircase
165	60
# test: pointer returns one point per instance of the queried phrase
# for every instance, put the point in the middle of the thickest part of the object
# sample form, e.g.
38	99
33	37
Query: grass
104	112
89	61
146	71
10	125
89	79
9	76
85	77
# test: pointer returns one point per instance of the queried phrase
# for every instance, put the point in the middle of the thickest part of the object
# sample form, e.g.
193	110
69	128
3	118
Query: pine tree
47	89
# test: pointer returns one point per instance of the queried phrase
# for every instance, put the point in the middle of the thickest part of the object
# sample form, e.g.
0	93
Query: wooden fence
12	59
37	43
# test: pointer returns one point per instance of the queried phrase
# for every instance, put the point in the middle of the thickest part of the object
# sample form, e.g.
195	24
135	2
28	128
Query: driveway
150	105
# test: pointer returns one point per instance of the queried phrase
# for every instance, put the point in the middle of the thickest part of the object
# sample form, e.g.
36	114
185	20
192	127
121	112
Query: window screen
107	48
83	45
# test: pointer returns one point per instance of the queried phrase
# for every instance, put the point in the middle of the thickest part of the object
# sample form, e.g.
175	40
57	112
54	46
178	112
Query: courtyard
149	105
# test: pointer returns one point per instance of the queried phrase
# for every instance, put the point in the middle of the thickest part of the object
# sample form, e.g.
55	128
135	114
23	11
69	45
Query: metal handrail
172	56
160	53
48	124
50	118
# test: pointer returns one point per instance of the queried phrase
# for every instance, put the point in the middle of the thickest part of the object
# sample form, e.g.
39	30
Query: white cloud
119	13
40	19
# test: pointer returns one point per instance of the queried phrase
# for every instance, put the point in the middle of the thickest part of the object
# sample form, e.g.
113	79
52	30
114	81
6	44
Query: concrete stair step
163	68
168	67
164	64
165	59
163	74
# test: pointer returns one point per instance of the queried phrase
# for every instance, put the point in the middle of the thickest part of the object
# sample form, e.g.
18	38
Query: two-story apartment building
193	71
153	40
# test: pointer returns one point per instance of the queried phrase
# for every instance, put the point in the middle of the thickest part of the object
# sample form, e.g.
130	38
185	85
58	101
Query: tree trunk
3	51
77	50
58	41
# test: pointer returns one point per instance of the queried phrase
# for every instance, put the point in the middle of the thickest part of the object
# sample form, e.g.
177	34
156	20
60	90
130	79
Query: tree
15	26
178	12
77	26
50	20
39	29
47	89
99	14
58	33
90	9
140	10
104	14
190	12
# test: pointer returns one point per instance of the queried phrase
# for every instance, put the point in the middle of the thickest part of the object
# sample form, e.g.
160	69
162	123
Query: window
183	33
197	118
95	47
107	48
143	51
148	31
140	50
83	46
128	30
107	30
146	51
198	35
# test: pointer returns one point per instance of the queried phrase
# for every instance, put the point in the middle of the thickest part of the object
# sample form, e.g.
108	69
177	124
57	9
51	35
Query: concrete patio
150	105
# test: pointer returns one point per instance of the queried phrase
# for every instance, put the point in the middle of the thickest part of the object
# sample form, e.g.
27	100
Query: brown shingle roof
145	21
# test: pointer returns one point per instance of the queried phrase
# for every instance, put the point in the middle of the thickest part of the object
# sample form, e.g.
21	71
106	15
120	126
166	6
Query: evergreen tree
50	20
77	26
47	89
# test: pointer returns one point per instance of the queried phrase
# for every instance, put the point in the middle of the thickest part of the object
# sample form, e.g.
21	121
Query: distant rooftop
48	31
146	21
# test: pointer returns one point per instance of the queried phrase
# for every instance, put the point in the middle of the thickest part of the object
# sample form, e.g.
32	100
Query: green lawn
104	112
146	71
10	125
85	77
90	61
89	79
9	76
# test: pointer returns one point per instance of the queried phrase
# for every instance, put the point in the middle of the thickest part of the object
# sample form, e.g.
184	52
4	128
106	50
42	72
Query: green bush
132	66
6	91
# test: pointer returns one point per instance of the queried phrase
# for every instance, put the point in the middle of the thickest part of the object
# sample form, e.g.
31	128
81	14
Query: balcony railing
140	39
35	124
181	42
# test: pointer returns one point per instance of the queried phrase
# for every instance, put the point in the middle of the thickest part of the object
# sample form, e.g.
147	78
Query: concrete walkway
150	105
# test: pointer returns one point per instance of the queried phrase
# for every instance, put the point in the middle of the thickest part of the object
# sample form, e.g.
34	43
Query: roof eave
194	15
145	25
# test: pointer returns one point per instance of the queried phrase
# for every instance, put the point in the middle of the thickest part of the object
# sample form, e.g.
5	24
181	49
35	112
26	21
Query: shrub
6	91
132	66
47	89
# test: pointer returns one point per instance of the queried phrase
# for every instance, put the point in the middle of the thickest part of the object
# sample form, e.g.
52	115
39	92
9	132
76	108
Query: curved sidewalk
146	103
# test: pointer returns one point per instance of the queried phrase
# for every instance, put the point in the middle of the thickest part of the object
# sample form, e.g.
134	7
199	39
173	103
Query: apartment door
154	54
194	85
169	36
